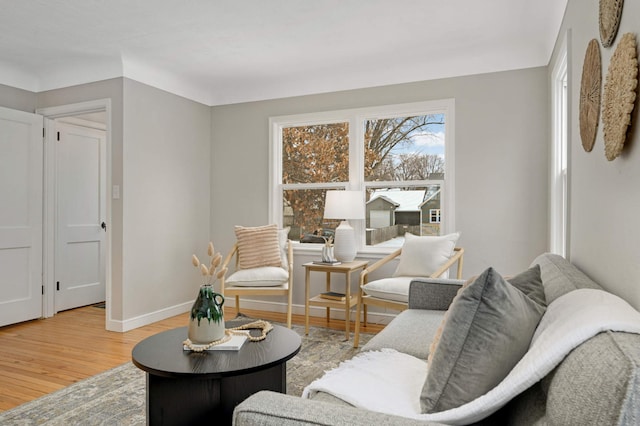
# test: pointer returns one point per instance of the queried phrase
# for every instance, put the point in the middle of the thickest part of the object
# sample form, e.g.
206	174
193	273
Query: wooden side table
350	301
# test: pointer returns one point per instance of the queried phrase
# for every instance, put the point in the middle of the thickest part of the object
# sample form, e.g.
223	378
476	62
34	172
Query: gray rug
117	396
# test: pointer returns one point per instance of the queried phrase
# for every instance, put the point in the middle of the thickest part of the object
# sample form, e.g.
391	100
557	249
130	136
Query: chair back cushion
422	256
258	246
263	276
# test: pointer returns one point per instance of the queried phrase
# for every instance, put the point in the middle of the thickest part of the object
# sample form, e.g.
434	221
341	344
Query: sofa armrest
270	408
433	293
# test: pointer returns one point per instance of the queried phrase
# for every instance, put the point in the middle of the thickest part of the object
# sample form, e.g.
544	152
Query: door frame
48	244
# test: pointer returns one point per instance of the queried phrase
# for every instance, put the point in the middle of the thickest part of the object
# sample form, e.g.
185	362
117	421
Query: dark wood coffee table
185	387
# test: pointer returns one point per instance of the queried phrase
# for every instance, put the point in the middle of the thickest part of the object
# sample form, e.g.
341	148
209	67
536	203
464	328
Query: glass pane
303	211
392	212
404	148
315	154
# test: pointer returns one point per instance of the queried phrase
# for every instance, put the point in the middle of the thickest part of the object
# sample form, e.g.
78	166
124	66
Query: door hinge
58	136
58	285
43	290
44	133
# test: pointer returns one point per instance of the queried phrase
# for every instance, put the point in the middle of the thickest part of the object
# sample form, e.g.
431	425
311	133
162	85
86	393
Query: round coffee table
185	387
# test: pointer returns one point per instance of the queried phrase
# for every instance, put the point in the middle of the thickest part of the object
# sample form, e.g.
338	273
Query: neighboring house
406	205
430	207
380	212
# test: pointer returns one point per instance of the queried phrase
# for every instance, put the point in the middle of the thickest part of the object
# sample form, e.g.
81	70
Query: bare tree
320	153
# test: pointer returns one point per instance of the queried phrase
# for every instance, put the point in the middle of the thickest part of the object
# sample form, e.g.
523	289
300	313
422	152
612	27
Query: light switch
115	192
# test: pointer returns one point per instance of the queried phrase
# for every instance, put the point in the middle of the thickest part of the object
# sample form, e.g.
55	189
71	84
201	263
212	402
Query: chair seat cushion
396	288
264	276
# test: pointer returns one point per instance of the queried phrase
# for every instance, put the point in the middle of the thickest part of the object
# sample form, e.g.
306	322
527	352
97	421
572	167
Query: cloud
430	140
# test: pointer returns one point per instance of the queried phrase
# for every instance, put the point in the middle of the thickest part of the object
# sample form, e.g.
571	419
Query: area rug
117	396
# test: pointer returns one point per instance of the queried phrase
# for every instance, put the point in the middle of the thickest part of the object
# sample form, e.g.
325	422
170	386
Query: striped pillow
258	246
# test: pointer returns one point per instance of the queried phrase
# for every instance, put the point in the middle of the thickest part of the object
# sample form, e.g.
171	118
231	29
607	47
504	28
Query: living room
498	116
503	115
189	171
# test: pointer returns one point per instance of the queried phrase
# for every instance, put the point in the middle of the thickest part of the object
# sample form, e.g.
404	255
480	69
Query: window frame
560	160
356	118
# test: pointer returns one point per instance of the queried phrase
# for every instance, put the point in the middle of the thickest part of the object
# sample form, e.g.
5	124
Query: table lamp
344	205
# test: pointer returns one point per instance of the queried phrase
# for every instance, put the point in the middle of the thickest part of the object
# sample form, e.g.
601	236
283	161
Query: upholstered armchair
420	257
260	264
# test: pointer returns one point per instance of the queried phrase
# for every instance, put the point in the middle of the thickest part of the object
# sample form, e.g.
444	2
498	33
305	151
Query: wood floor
41	356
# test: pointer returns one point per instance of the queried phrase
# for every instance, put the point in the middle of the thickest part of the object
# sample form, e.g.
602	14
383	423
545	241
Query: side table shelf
346	268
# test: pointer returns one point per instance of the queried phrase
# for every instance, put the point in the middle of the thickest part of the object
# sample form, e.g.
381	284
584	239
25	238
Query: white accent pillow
263	276
389	288
422	256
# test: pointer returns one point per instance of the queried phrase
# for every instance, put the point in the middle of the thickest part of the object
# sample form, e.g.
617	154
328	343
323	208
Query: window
400	156
559	155
434	215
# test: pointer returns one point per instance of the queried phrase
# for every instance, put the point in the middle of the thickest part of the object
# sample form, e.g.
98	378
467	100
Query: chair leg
289	307
237	305
356	332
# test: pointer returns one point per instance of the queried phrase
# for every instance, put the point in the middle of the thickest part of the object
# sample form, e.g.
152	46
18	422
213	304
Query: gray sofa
598	383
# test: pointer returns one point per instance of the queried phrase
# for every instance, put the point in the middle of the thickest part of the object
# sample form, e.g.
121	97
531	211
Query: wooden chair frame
281	290
364	300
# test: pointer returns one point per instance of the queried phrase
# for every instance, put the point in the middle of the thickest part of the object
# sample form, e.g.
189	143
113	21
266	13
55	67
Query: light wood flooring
41	356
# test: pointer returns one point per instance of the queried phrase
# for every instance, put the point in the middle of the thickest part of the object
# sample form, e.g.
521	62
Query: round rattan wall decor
609	20
590	89
619	95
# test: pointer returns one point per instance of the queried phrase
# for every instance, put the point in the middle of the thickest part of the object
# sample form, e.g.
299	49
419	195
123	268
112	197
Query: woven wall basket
609	20
619	95
590	89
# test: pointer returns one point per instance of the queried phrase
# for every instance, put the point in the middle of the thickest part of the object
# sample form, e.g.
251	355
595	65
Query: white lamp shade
344	205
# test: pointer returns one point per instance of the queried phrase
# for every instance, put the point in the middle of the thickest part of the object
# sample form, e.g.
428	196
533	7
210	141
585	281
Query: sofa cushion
422	256
410	332
258	246
530	283
560	276
487	331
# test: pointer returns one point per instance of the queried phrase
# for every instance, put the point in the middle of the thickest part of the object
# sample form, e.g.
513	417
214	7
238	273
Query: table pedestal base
190	401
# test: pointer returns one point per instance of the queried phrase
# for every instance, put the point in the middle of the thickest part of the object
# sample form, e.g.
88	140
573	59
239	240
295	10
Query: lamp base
344	248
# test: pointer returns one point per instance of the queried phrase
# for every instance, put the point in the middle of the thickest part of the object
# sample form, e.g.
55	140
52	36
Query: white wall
605	196
501	162
165	196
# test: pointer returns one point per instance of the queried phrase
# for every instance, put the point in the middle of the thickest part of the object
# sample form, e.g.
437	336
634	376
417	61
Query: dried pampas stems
619	95
590	88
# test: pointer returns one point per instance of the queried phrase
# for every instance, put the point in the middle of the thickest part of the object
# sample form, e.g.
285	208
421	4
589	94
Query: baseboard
258	305
316	311
146	319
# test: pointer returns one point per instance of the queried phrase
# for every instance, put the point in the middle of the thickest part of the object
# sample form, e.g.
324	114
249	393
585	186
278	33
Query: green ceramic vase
207	320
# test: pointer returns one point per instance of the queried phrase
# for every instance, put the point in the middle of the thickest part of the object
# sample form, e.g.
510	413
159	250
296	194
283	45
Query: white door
80	214
21	159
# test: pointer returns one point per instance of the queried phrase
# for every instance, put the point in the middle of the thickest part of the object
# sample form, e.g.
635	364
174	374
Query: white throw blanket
390	382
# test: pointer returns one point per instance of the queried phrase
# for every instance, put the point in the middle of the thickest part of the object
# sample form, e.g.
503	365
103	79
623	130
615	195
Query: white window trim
356	158
560	153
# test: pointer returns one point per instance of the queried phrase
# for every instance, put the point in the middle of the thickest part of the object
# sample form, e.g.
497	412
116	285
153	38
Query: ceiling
221	52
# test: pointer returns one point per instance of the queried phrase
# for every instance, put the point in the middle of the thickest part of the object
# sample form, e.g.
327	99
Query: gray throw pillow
530	283
488	329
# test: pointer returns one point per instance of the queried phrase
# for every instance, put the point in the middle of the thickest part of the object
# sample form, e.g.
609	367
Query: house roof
221	52
405	200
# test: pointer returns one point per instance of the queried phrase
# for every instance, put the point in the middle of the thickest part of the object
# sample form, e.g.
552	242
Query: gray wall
166	180
605	199
501	127
160	154
19	99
